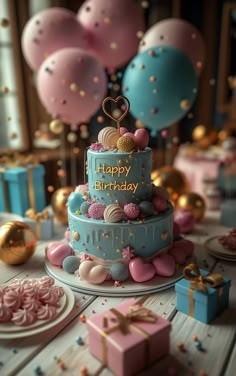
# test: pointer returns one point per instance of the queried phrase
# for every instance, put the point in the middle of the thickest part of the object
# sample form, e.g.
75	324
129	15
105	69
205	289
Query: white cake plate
217	250
127	288
11	331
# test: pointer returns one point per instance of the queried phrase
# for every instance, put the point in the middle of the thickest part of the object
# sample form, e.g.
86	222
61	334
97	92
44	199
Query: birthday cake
119	222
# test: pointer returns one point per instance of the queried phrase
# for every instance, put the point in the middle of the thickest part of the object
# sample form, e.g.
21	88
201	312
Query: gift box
128	338
42	223
202	295
22	188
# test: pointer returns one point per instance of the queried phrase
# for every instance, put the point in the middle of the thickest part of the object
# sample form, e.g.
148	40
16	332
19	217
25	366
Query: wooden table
22	356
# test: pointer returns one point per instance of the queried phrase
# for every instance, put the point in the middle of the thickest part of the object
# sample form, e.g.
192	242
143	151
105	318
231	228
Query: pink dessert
229	241
23	302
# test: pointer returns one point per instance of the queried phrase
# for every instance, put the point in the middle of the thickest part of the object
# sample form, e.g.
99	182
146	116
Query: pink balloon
48	31
71	85
176	33
112	27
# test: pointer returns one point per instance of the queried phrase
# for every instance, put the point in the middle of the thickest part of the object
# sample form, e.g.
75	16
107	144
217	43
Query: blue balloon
161	85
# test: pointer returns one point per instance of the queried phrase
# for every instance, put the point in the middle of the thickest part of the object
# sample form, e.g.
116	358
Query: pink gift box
124	342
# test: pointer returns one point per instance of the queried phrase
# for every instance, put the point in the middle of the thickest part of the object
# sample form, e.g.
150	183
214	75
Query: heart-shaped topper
116	100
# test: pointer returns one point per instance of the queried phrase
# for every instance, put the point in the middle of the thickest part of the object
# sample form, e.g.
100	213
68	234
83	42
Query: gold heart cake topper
116	100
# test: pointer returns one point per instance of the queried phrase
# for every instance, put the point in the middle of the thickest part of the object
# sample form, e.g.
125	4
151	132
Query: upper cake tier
118	177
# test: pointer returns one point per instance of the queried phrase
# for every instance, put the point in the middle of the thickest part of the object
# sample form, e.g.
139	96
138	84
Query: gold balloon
17	242
172	179
193	202
59	203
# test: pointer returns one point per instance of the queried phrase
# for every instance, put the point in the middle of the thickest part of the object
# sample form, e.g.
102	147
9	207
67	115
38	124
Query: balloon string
63	178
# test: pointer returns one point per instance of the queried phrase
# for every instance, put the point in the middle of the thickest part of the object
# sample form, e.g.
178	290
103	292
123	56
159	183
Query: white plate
216	249
6	217
128	288
13	331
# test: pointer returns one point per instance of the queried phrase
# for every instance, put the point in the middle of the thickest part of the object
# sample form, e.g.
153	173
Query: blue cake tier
116	177
107	240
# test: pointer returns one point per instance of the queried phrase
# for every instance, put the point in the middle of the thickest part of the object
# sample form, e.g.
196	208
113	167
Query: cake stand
108	288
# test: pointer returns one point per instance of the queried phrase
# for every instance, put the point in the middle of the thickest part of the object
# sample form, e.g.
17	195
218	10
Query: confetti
181	347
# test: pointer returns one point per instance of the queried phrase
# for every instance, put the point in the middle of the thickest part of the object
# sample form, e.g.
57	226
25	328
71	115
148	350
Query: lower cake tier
109	240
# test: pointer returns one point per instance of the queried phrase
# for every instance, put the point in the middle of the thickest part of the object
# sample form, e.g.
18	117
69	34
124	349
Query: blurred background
25	123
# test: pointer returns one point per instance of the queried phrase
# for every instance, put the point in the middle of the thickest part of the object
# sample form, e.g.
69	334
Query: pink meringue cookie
57	251
164	265
31	304
46	312
59	291
185	219
159	203
23	317
5	313
30	291
12	300
181	250
46	281
48	296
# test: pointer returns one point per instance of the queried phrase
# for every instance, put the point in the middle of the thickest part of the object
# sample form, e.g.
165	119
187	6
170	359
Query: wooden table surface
22	356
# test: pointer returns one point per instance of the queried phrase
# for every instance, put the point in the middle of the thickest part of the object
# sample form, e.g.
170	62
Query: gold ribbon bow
125	323
18	160
37	217
135	314
199	282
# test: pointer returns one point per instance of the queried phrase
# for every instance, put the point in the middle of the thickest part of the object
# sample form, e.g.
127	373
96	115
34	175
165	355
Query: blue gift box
206	305
44	228
4	199
25	189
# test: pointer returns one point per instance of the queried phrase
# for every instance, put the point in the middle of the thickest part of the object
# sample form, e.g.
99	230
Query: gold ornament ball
199	132
194	202
56	126
59	203
17	242
172	179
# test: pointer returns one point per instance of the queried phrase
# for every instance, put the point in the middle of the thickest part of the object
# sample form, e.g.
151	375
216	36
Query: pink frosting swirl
30	291
46	312
12	300
5	313
46	281
31	304
23	317
59	291
48	296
